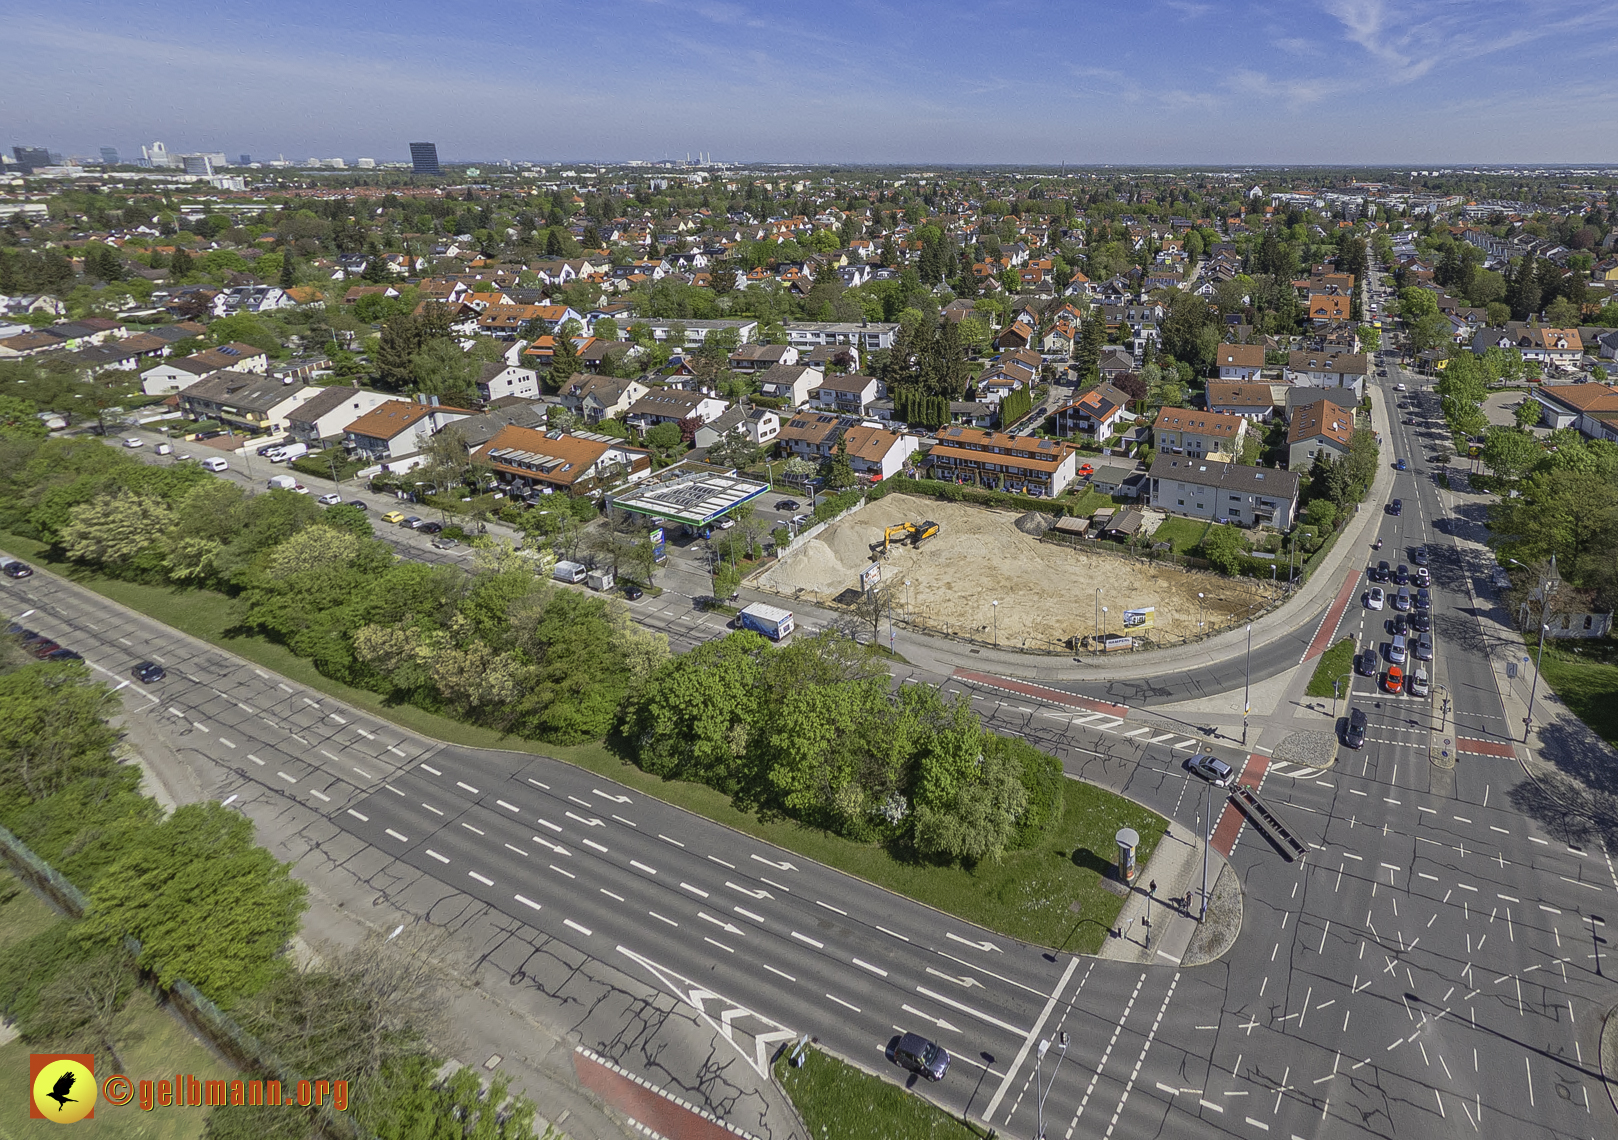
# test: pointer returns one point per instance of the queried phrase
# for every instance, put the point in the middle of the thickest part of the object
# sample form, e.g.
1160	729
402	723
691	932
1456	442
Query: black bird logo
59	1091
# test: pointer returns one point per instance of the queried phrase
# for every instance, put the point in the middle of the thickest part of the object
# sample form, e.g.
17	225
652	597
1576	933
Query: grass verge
1585	679
1050	895
1183	534
1334	664
836	1099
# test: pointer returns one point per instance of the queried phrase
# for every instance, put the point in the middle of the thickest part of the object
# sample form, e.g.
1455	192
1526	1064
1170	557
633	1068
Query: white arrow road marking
772	863
614	799
984	945
938	1021
748	893
966	982
591	822
977	1013
728	928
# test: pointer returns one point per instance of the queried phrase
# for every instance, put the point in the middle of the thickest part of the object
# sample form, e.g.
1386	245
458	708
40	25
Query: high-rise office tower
200	164
247	160
157	155
424	158
31	159
109	156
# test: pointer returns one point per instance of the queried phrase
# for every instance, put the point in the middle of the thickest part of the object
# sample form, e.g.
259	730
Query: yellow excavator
914	532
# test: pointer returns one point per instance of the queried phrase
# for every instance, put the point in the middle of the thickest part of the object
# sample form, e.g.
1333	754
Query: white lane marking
885	930
642	867
358	816
984	945
549	824
660	918
227	743
841	1002
362	772
610	895
470	828
698	891
877	970
255	759
329	756
537	784
977	1013
527	902
828	906
396	835
463	784
721	862
391	748
772	863
778	973
337	718
320	795
721	945
365	734
518	850
432	809
559	871
584	930
199	727
758	918
287	778
505	805
311	704
810	941
666	839
593	843
1028	1041
430	768
436	855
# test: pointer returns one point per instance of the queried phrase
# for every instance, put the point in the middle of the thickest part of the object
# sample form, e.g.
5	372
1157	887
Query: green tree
1529	413
440	368
1509	453
837	471
19	421
1224	547
114	529
289	268
205	901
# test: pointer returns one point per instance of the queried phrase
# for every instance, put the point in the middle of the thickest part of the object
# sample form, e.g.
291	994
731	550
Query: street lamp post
1039	1070
995	610
1098	611
1207	841
1533	690
1199	611
910	606
1247	685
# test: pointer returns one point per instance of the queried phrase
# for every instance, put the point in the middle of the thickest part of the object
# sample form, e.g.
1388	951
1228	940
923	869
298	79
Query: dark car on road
1354	734
17	569
1365	664
1424	598
1402	575
63	655
919	1055
1421	621
1397	507
149	672
1382	572
358	504
1419	556
41	648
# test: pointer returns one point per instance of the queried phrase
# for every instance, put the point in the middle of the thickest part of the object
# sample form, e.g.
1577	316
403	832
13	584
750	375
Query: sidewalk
1176	868
940	655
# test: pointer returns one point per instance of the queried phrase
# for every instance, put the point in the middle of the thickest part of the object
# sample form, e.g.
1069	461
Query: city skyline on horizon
1184	83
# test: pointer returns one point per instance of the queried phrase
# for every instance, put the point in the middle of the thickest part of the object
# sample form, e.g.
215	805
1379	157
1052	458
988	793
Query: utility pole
1039	1069
1528	721
1207	841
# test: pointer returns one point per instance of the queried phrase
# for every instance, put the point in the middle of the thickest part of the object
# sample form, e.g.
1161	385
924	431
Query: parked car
1401	600
63	655
1398	624
1396	649
1424	598
1365	663
358	504
1373	598
1354	736
42	647
1424	578
1210	768
444	543
149	672
633	593
431	528
798	521
919	1055
134	441
413	522
1424	647
394	517
725	523
330	499
1400	464
786	504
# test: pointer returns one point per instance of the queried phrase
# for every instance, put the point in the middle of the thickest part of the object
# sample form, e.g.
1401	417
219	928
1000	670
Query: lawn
1051	895
1090	502
155	1045
1586	681
838	1100
1183	533
1335	664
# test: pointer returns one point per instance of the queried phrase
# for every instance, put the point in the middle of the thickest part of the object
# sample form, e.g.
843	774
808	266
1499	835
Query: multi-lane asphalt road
1428	968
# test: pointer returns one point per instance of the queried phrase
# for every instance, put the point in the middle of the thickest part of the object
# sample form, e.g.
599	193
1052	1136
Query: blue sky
1031	81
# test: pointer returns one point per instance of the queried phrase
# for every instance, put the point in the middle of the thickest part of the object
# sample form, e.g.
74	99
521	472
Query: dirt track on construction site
1046	591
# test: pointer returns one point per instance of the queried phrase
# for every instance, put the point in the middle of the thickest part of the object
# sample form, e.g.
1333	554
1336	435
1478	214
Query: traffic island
1219	928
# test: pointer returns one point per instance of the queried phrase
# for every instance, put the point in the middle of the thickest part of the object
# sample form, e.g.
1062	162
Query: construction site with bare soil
1048	592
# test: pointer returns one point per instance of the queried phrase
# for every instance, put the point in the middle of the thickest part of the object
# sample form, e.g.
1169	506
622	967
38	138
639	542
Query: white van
290	451
214	463
569	571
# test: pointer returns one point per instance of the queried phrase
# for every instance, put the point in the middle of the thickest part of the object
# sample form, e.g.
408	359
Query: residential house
320	420
761	357
170	376
1015	335
670	405
1209	489
246	400
530	463
1022	463
876	453
597	398
794	383
499	379
1240	361
1185	431
1097	413
1120	480
397	429
1115	362
760	425
1328	308
696	332
869	335
1251	400
1608	345
810	435
1557	347
1324	426
1328	370
850	395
